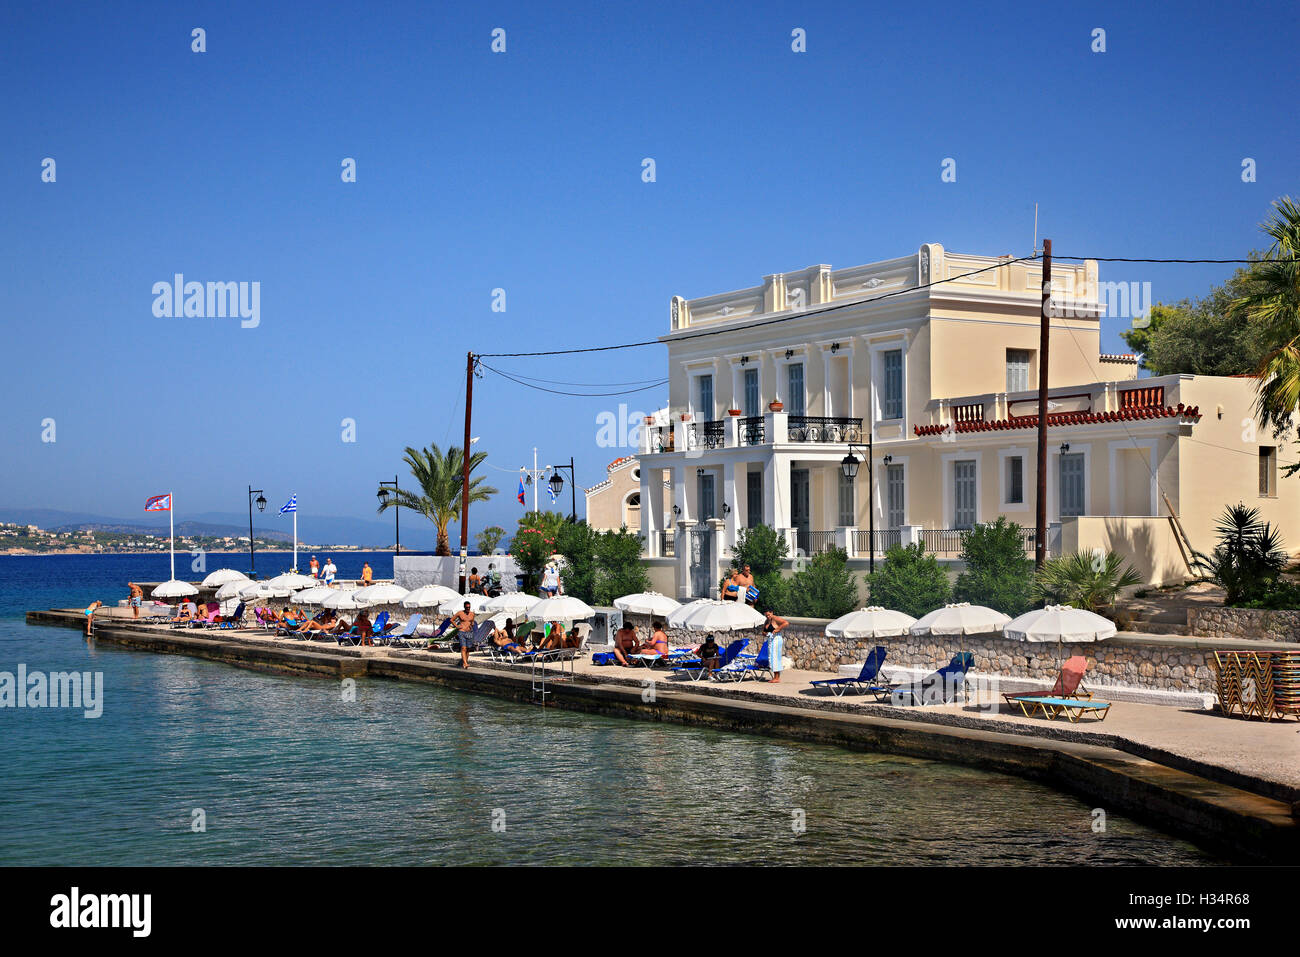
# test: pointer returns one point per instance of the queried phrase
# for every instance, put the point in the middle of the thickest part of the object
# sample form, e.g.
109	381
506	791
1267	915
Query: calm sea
282	770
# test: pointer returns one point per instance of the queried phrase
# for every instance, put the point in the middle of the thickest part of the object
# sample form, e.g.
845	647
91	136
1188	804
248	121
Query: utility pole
464	478
1044	334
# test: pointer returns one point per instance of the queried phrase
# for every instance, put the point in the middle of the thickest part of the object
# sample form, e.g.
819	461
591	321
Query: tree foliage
997	572
909	581
824	589
438	477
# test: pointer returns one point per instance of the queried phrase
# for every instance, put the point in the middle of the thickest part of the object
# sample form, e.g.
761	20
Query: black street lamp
849	465
397	508
261	507
556	482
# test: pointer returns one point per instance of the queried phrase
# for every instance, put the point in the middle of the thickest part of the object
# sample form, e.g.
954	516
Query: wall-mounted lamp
835	347
744	360
789	353
677	510
726	509
1065	447
887	459
699	471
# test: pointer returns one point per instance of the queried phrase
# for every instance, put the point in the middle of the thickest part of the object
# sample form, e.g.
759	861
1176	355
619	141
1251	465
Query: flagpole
171	519
295	540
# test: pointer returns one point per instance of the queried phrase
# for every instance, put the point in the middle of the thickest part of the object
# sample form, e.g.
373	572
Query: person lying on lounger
625	643
190	612
327	623
504	638
555	639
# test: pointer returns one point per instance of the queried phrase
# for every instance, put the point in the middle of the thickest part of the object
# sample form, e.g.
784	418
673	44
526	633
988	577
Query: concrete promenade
1227	783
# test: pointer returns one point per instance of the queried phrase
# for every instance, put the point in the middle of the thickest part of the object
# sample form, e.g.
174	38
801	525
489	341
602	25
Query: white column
680	499
776	491
683	553
652	509
730	497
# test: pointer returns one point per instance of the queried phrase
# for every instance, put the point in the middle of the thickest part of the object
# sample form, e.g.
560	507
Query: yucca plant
1249	558
1088	580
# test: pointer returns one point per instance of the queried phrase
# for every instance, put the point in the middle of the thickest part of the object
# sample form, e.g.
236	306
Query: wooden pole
1044	334
464	477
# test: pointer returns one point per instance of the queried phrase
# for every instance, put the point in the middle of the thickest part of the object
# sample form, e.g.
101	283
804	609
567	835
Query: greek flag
554	494
291	505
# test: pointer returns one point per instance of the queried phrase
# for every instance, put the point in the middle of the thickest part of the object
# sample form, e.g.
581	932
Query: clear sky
522	171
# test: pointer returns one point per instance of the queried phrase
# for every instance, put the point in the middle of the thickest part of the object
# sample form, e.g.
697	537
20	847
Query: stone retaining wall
1246	623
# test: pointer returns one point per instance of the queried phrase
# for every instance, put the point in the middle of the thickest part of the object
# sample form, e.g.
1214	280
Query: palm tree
1249	557
438	476
1272	301
1084	579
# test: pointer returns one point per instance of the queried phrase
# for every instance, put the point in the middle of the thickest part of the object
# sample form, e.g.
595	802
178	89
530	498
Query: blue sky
522	171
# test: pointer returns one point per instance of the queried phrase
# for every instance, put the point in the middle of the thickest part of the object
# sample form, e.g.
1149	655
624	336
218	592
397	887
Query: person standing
137	596
90	615
330	571
367	574
774	629
463	621
314	567
745	583
551	580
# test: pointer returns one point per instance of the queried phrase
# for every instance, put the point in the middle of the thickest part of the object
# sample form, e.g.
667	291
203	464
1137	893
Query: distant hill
314	529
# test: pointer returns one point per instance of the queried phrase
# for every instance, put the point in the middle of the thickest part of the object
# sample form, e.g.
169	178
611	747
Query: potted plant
776	405
733	412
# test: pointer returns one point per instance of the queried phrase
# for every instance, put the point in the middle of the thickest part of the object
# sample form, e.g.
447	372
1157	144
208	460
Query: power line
1119	259
585	395
591	385
767	322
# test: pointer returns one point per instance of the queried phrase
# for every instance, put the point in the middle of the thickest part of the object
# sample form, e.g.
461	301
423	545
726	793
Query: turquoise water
287	772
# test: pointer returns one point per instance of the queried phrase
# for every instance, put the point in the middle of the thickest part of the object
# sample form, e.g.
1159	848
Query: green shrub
1249	559
997	572
619	570
577	543
824	589
909	581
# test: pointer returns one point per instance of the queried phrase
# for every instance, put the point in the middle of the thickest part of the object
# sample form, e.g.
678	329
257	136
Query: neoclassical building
931	359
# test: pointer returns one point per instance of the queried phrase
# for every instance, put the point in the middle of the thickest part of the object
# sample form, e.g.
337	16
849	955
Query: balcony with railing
823	428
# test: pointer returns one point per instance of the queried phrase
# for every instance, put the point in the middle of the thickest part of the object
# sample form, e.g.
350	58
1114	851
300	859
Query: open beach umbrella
231	589
870	622
959	618
342	600
1060	623
265	589
709	614
312	596
174	588
647	603
223	576
450	606
293	581
516	603
561	608
429	596
385	594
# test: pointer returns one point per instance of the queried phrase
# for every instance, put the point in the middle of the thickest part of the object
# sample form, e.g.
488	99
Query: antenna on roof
1035	246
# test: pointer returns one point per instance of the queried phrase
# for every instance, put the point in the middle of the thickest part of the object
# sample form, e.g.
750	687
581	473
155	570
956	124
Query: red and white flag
159	503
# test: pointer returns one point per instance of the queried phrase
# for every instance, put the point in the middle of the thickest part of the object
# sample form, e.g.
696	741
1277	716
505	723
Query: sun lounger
405	637
938	688
234	620
868	679
697	668
1072	708
744	667
1069	684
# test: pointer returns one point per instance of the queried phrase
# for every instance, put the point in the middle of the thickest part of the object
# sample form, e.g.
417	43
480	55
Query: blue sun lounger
868	679
743	667
400	639
695	669
938	688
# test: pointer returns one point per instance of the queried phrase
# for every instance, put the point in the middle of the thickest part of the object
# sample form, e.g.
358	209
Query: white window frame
948	493
877	346
1113	450
799	356
1004	486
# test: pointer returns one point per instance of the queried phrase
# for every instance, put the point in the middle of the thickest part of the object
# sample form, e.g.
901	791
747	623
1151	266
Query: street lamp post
849	465
557	484
397	508
261	507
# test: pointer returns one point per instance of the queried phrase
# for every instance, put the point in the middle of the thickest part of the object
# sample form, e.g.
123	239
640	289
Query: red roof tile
1066	418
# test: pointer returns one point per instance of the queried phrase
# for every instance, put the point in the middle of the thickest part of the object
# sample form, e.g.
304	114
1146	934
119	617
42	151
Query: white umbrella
174	588
342	600
870	622
429	596
709	614
312	596
222	576
515	602
647	603
387	594
561	608
455	603
231	589
961	618
1060	623
264	590
293	581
